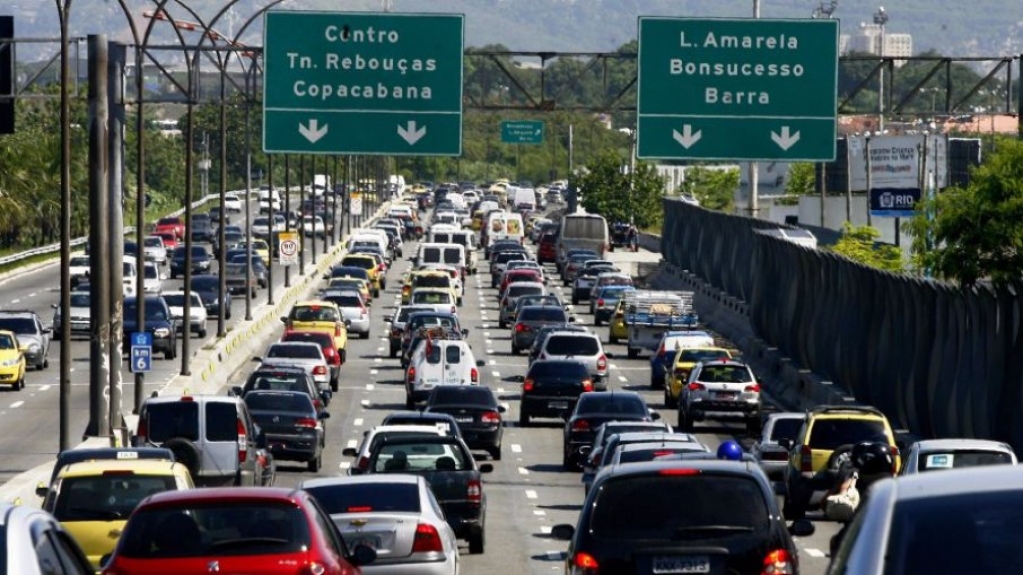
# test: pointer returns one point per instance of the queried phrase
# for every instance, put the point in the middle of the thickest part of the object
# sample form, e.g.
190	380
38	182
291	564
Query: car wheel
575	299
597	322
174	275
335	384
790	509
502	324
514	350
364	335
344	355
171	352
611	338
476	543
20	384
495	453
566	462
685	423
633	353
227	314
523	419
314	464
655	383
753	426
202	333
409	404
394	352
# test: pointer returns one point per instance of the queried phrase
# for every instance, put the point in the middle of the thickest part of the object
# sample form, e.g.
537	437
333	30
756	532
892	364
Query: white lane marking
370	387
490	351
554	555
351	443
357	422
622	379
377	360
364	403
516	448
531	494
493	362
496	373
489	342
17	404
374	372
545	529
613	366
16	300
345	465
523	471
381	348
500	390
815	553
44	388
539	512
383	339
486	326
486	334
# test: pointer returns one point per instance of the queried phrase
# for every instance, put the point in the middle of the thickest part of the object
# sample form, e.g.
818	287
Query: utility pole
754	167
274	240
64	409
287	212
115	206
140	212
881	18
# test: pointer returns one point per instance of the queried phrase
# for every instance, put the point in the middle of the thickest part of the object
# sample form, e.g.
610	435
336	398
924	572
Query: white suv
372	437
721	389
581	346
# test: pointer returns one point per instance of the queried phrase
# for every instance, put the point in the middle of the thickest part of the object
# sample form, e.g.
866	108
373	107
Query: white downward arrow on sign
313	132
785	140
688	137
410	134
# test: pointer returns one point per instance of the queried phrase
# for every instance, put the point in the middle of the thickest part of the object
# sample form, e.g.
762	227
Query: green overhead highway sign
362	83
737	89
522	132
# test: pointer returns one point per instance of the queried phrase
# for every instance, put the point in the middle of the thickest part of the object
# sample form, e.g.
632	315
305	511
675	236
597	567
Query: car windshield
572	345
105	497
725	374
829	434
431	297
153	242
367	498
558	369
697	355
151	273
260	400
7	342
549	314
947	459
154	311
961	533
295	351
684	507
79	262
19	325
611	403
206	284
216	528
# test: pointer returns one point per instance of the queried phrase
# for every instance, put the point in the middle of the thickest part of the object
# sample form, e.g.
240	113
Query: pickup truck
173	224
649	313
454	477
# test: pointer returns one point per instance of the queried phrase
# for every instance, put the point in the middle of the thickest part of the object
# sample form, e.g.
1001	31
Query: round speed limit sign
288	251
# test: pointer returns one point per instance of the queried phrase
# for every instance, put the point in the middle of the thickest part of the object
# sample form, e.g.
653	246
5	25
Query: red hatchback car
517	275
547	253
252	530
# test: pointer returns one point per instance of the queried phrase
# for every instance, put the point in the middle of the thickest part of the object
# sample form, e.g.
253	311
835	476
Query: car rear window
277	381
558	369
314	313
408	456
216	529
516	290
833	433
651	453
963	533
572	345
787	428
623	404
175	419
936	460
18	325
362	498
725	374
432	281
221	421
364	263
462	395
276	401
696	355
296	351
106	497
346	300
679	508
431	297
505	257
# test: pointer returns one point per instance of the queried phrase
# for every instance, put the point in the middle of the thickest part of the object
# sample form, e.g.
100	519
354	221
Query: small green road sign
362	83
737	89
522	132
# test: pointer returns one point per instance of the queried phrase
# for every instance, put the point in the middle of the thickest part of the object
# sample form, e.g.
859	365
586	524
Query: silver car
582	346
938	454
767	449
153	250
80	311
307	355
394	513
353	310
176	302
957	521
30	540
508	308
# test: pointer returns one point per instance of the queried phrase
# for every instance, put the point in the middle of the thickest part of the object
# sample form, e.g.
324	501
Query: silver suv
213	435
31	332
581	346
720	389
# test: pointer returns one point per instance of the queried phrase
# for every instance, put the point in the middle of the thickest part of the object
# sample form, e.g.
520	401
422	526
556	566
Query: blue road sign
141	339
141	356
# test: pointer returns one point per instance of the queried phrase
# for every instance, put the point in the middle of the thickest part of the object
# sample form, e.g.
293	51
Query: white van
504	226
321	184
447	234
449	254
268	198
129	276
369	235
439	362
525	199
583	231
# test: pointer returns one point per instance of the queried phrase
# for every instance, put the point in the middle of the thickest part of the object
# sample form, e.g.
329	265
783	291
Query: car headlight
34	347
161	332
10	362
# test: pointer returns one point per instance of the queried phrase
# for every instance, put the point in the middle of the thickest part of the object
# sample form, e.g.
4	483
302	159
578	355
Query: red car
174	225
547	251
257	530
326	343
523	275
170	241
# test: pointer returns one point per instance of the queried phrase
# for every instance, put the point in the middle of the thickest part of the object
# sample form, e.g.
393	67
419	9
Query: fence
939	360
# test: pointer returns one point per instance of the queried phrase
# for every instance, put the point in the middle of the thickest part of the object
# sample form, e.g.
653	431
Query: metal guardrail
53	248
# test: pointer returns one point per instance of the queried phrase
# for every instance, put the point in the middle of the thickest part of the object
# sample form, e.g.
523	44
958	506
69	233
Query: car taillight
363	463
395	332
411	375
337	330
320	370
142	430
602	362
580	425
380	268
491	417
427	539
243	441
600	302
527	385
777	562
520	327
806	459
305	423
754	388
454	309
317	404
587	385
474	375
696	386
475	491
895	458
585	562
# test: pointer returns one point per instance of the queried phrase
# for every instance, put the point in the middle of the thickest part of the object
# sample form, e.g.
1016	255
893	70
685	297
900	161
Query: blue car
208	288
603	306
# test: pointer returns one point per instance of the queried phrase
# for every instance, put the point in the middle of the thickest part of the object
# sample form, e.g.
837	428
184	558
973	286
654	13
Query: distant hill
951	27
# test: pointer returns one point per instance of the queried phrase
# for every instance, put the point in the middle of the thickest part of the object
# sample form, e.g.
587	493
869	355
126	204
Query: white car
152	279
940	454
442	300
197	312
306	355
372	437
79	268
232	203
154	250
313	226
720	389
353	310
439	362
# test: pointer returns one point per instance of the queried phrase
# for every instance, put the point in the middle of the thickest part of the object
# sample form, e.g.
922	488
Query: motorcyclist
866	463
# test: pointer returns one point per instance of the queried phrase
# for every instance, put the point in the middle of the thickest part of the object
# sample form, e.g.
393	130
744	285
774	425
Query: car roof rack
847	409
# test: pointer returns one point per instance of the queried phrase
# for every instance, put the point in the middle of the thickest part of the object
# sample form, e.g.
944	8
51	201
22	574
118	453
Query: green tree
715	189
611	191
858	243
802	179
974	233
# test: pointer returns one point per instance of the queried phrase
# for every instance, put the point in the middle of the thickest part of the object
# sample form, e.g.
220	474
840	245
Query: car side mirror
362	555
284	319
349	452
486	468
237	391
54	306
480	363
802	528
42	489
324	415
465	332
348	323
572	319
388	319
257	358
609	355
502	409
654	415
563	532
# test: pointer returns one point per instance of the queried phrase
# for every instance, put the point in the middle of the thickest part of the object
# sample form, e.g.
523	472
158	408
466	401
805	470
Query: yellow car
260	248
477	220
372	267
355	284
412	281
12	361
93	499
685	360
322	316
618	330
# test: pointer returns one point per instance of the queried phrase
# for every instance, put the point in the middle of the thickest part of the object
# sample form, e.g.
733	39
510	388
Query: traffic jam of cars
684	464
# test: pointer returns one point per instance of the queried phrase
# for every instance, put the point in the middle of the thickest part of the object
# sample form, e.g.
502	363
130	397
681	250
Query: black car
454	477
291	426
159	324
552	387
208	288
443	420
529	320
689	516
591	411
201	260
543	332
283	378
476	412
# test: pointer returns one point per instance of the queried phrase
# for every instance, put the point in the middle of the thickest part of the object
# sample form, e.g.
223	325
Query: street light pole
881	18
754	167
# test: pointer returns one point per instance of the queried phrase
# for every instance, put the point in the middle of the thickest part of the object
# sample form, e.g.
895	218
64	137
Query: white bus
585	231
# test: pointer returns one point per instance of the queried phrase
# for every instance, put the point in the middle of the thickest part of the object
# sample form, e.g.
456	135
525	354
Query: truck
650	313
321	185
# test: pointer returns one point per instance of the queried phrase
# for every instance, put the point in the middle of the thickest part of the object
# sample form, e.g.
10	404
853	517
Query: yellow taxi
618	330
316	315
372	267
260	248
12	360
686	359
355	284
93	499
477	220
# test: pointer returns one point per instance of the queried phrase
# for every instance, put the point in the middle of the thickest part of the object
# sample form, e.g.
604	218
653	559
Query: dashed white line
17	404
44	388
489	342
486	334
16	300
495	373
493	362
364	403
33	294
381	348
345	465
523	471
545	529
374	372
357	422
377	360
622	379
516	448
352	443
554	555
370	387
539	512
815	553
531	494
500	390
613	366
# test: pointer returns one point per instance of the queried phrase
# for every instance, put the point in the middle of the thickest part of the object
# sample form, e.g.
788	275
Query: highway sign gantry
362	83
737	89
522	132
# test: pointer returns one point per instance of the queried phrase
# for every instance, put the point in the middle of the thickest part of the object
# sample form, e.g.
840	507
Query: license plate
682	564
370	542
463	419
727	394
557	405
